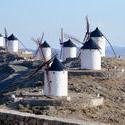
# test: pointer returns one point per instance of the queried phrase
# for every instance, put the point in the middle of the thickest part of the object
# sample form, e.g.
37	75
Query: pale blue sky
29	18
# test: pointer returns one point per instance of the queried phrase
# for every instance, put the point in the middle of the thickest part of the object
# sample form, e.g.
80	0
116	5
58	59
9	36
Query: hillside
84	85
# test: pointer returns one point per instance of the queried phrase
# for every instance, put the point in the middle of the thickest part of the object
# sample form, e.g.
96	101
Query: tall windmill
43	49
55	77
68	48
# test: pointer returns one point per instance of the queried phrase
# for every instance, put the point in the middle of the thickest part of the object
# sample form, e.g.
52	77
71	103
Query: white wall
47	52
69	52
58	83
13	46
2	42
101	41
90	59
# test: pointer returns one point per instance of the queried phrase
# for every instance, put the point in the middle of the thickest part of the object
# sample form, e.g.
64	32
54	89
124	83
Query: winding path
11	80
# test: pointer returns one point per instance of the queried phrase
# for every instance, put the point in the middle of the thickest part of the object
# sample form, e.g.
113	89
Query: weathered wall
10	117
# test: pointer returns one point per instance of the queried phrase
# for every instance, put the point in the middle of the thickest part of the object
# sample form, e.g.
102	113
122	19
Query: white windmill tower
2	41
44	50
55	78
12	44
69	50
90	56
58	79
99	38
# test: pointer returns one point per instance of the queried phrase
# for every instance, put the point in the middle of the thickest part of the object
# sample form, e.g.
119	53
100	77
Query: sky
29	18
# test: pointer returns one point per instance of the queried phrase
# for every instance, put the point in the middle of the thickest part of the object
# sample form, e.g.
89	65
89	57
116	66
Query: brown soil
83	87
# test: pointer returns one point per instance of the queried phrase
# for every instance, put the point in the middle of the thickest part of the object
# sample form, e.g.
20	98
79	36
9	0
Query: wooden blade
5	31
36	41
22	44
79	54
60	42
87	24
6	40
36	52
62	35
42	37
86	38
111	46
61	52
41	66
72	37
87	35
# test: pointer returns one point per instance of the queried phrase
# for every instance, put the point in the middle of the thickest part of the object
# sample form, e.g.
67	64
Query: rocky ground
109	83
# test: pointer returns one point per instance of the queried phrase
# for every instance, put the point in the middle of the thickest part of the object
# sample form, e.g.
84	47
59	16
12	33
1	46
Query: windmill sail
87	35
61	43
42	65
111	46
74	39
6	41
39	44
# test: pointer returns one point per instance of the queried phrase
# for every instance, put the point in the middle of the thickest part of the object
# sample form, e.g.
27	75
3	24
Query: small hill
109	83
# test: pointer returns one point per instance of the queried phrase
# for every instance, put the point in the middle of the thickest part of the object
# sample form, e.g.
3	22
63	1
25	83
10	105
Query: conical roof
69	43
96	33
90	44
12	37
45	45
56	65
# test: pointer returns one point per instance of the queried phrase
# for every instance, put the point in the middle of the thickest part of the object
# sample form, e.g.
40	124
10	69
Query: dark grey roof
56	65
12	37
96	33
69	43
45	45
90	44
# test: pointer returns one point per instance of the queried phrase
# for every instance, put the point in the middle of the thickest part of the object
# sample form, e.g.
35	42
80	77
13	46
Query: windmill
11	42
55	77
43	49
90	55
45	66
78	42
69	47
88	35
